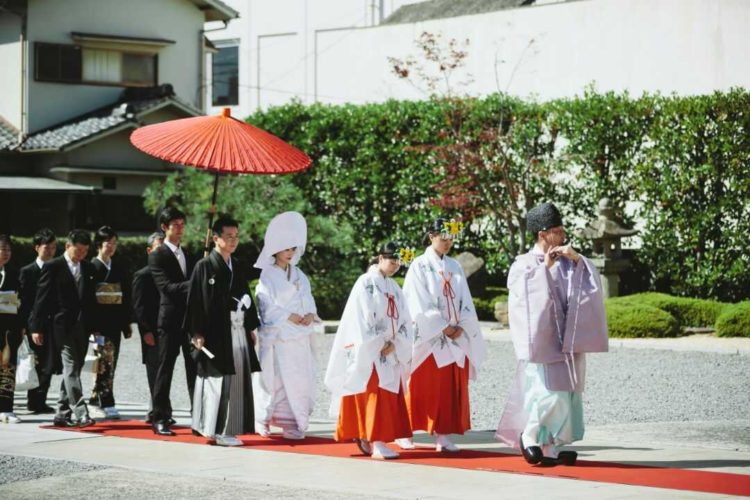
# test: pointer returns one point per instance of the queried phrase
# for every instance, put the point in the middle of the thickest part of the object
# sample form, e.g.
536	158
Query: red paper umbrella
221	144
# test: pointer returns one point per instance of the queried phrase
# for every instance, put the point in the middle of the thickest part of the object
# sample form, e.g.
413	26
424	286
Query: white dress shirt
177	251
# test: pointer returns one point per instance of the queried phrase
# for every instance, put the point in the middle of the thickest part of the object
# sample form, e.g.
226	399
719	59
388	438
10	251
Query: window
76	64
225	76
60	63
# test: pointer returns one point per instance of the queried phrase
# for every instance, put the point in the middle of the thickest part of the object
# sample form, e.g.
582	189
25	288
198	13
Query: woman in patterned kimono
448	343
370	359
10	332
112	316
285	388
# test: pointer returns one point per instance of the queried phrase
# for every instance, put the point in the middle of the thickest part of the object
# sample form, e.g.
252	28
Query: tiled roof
92	124
438	9
8	135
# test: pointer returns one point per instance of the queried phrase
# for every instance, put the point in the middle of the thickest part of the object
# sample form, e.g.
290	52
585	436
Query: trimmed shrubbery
688	312
640	320
734	321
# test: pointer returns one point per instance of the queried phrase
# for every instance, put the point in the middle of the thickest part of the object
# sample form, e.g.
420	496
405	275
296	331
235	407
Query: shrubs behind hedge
486	306
734	321
688	312
639	320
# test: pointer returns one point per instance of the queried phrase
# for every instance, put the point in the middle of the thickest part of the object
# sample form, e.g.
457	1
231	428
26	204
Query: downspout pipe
23	128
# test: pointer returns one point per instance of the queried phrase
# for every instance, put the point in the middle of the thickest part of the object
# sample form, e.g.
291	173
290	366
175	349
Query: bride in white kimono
370	359
285	387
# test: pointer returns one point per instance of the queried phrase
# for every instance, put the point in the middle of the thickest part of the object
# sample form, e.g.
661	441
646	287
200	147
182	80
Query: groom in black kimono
220	319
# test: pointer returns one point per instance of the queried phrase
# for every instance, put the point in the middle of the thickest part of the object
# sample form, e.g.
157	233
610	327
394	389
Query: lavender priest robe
556	315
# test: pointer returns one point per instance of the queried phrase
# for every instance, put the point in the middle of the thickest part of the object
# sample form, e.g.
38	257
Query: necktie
77	272
181	260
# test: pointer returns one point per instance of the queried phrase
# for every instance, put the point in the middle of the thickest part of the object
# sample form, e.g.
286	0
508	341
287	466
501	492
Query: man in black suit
48	361
146	312
170	268
67	294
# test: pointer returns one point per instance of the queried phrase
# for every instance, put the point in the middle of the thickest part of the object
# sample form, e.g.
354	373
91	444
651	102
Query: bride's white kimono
437	296
284	389
375	313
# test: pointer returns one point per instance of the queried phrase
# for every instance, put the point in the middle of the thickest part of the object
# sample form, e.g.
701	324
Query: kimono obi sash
8	302
108	293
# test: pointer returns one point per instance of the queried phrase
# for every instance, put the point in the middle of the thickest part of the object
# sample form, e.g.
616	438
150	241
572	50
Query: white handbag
26	376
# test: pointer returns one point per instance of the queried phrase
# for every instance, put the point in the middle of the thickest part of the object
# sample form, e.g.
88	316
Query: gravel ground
115	483
14	468
623	386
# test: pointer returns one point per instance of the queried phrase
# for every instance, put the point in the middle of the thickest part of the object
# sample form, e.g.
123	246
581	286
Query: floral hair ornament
406	255
451	229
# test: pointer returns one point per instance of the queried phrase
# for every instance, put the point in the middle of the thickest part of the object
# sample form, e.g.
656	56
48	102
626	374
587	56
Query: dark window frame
232	98
79	80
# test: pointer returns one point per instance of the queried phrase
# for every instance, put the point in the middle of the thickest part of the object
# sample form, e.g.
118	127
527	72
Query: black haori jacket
214	294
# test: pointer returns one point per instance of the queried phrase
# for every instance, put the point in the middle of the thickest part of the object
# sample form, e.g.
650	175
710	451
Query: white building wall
277	45
53	21
681	46
10	57
545	51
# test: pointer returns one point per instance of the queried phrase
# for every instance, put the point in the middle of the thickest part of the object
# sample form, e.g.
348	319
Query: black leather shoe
162	429
85	421
63	422
44	410
548	462
532	454
196	433
171	421
567	457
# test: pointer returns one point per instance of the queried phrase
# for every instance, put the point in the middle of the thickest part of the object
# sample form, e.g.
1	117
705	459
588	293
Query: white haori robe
556	315
437	295
284	389
375	313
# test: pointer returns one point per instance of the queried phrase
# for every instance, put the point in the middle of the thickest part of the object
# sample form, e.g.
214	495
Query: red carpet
635	475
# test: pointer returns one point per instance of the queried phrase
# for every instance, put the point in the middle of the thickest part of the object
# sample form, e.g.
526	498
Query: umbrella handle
211	213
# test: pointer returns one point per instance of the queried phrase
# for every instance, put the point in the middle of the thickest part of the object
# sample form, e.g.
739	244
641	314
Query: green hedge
734	321
688	312
639	320
386	169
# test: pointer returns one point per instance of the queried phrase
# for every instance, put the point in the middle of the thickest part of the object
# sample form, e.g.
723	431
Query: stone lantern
606	235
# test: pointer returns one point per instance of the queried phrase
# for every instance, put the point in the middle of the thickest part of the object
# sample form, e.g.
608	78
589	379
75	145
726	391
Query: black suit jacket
46	358
145	305
172	285
145	301
58	297
28	280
